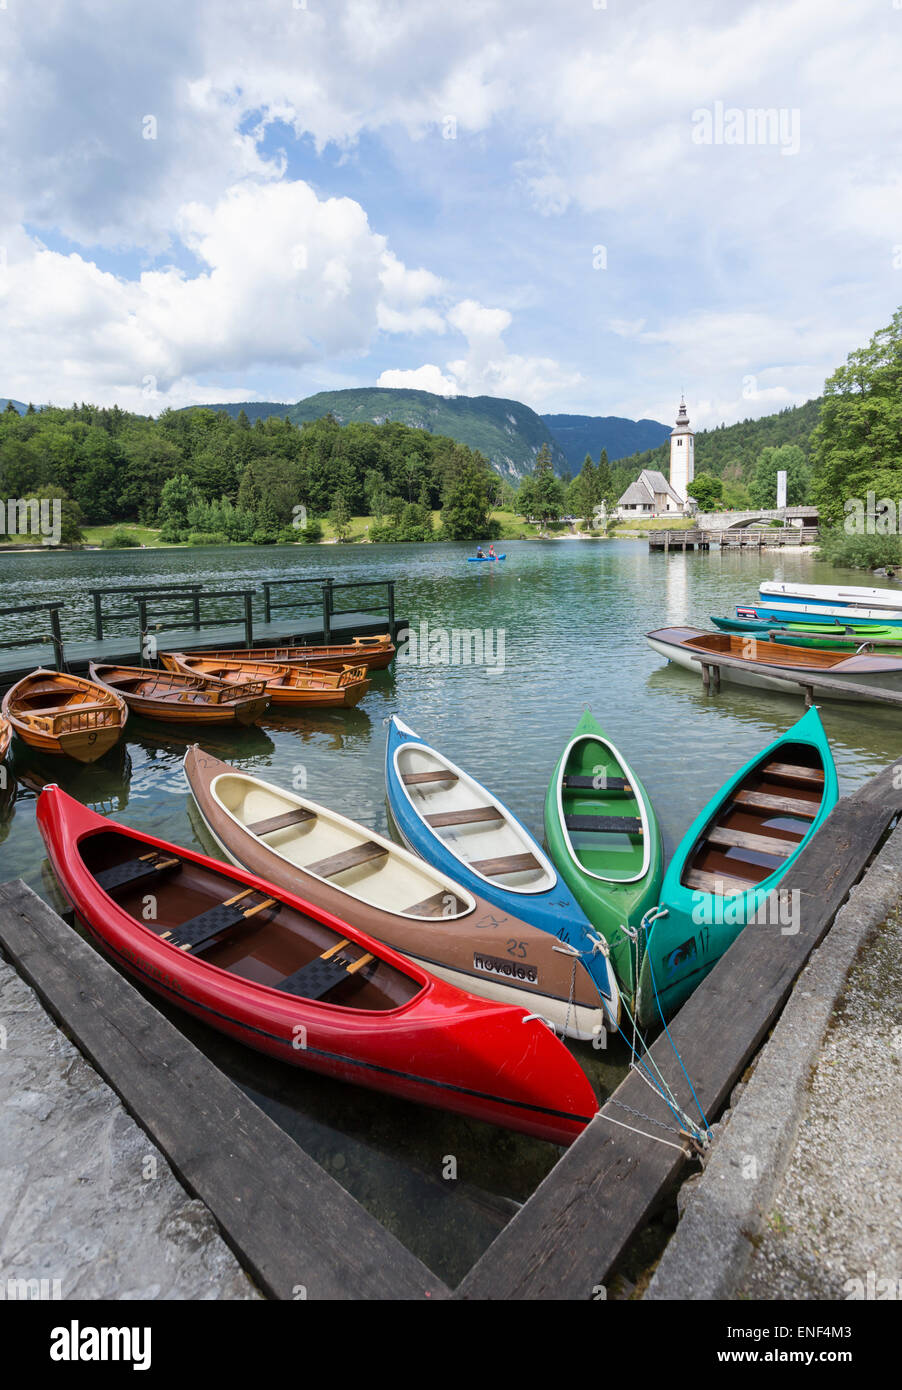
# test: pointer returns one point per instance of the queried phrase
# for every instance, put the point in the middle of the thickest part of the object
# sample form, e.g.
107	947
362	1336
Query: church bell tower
682	454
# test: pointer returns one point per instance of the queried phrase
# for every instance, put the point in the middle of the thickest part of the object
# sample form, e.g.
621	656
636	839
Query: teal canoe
603	837
730	862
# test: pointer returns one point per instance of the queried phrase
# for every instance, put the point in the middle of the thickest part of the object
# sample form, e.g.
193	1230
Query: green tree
340	517
465	511
858	439
789	458
707	491
548	491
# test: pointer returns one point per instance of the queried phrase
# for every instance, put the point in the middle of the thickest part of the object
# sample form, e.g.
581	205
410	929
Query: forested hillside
199	473
507	433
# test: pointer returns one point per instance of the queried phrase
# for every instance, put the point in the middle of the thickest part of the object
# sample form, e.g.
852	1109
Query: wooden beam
563	1243
288	1221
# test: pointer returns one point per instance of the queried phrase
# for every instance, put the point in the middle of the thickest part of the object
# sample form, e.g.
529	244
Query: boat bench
318	977
611	784
346	859
605	825
282	822
506	864
132	871
201	931
415	779
465	817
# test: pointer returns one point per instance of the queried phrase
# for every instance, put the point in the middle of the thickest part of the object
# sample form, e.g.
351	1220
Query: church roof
647	486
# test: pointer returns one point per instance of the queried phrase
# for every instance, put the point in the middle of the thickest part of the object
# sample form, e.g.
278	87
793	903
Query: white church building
651	494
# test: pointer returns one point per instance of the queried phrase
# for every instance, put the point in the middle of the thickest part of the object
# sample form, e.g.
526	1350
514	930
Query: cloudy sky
566	202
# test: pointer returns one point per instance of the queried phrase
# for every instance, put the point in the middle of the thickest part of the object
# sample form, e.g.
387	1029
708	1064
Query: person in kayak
492	551
480	553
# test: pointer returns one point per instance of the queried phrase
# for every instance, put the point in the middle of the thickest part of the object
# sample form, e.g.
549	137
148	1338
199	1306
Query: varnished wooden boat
374	653
285	977
285	685
57	713
767	664
727	868
175	697
392	895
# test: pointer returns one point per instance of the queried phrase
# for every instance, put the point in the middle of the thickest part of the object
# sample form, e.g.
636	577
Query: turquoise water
573	615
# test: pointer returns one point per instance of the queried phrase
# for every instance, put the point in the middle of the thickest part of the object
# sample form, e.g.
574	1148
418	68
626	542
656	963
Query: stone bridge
727	521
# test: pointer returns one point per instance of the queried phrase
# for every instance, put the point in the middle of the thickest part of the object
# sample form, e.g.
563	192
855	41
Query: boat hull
467	941
616	879
439	1046
883	673
65	715
552	908
288	687
699	926
194	701
375	654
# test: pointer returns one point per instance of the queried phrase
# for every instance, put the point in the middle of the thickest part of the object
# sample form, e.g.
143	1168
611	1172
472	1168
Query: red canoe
298	983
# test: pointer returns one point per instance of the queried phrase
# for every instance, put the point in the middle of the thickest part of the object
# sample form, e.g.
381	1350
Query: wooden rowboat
453	822
373	653
175	697
285	685
297	983
768	664
57	713
390	894
603	835
727	869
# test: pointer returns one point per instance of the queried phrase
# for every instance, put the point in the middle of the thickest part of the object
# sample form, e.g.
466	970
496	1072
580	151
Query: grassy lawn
144	535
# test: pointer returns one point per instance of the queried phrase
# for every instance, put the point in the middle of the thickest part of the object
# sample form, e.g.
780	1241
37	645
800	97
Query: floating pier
735	537
188	616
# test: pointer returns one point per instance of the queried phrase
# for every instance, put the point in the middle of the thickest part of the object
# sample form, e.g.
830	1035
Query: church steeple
682	453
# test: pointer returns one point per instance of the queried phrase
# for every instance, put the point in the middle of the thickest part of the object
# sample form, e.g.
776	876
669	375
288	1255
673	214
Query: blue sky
585	206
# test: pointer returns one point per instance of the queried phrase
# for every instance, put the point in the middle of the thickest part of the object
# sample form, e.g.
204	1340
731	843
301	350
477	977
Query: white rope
679	1147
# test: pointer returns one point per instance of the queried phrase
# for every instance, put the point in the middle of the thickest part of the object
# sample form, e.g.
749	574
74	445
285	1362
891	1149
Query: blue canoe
485	559
454	823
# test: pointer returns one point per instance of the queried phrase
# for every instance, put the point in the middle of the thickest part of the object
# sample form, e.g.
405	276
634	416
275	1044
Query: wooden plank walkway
564	1242
20	662
290	1224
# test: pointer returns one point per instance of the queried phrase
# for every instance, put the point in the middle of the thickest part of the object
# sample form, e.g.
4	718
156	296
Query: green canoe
727	868
603	836
826	636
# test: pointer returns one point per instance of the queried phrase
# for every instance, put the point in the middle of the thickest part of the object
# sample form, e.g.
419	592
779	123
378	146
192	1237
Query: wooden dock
190	617
293	1228
565	1241
736	537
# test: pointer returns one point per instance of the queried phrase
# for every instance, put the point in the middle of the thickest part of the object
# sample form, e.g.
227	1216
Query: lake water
573	615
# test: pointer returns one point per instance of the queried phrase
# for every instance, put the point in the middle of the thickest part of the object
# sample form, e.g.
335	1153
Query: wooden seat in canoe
777	805
745	839
201	931
595	784
605	825
416	779
48	711
466	817
721	885
505	864
347	859
132	871
293	817
784	771
318	977
438	905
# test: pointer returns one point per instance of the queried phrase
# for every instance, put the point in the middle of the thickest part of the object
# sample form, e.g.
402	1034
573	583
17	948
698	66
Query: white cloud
425	378
488	369
284	278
